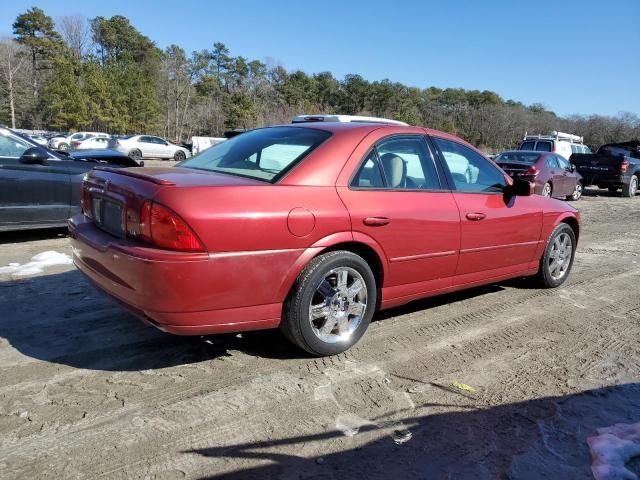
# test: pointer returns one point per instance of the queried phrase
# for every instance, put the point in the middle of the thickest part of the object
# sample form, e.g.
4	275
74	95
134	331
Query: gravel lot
88	391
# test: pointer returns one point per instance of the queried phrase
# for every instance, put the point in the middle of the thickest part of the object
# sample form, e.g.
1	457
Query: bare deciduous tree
76	32
12	63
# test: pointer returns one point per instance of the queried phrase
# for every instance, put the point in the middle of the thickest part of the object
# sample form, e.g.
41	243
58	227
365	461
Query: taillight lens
533	171
165	229
624	166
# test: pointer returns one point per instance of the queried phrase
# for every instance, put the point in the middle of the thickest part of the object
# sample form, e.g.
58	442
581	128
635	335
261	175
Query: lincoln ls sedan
312	227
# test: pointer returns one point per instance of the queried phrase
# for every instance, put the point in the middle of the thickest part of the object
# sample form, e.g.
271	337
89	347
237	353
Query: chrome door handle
475	216
376	221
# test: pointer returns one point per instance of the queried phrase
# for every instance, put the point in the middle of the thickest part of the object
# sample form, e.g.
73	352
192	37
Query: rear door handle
474	216
376	221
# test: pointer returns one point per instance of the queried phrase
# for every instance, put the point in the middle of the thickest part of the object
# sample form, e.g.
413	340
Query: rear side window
552	162
471	172
544	146
263	154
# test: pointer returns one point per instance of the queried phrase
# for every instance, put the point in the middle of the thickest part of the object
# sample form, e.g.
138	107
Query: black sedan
40	188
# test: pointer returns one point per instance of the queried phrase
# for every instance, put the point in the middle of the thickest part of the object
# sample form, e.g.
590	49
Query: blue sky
572	56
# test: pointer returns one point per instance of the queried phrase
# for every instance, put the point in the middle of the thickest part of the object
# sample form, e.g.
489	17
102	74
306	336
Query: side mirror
572	167
35	156
521	188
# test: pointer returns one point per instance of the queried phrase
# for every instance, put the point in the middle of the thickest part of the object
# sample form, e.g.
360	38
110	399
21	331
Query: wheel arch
359	244
573	223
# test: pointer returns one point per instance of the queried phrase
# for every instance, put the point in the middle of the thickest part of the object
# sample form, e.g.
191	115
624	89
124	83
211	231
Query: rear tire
577	193
547	190
63	146
557	260
330	304
135	155
630	189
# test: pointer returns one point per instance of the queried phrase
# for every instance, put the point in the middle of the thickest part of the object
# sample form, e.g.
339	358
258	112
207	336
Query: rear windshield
543	146
619	151
263	154
522	158
527	146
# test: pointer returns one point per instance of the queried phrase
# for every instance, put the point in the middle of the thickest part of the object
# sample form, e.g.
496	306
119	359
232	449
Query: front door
499	233
396	199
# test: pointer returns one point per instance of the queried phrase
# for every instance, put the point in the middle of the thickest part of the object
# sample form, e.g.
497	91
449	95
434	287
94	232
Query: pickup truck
614	166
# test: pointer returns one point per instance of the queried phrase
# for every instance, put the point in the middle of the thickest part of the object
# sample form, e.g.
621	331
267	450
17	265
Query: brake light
163	228
533	171
75	143
624	166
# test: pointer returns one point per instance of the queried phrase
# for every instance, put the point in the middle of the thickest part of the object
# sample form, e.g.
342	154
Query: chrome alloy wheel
546	190
577	193
338	305
559	258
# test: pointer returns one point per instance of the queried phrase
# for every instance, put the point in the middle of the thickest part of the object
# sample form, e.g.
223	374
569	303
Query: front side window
471	172
263	154
399	163
12	147
563	163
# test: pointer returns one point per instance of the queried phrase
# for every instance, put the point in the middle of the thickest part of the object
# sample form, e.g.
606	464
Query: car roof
365	128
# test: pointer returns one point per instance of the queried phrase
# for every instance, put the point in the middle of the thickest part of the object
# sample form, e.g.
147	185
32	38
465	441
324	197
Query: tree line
102	74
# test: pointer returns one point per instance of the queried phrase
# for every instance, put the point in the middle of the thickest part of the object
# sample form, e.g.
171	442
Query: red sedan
312	227
551	173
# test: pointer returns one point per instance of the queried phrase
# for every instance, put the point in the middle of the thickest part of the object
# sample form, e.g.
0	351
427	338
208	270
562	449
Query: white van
561	143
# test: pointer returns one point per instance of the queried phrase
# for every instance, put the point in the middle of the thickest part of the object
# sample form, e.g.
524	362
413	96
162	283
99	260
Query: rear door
569	178
499	234
31	194
557	175
396	198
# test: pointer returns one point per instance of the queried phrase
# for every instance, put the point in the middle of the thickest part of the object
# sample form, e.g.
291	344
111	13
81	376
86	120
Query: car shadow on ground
60	318
599	192
33	235
540	438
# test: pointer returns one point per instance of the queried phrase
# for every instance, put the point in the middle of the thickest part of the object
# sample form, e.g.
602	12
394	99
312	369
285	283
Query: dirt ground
87	391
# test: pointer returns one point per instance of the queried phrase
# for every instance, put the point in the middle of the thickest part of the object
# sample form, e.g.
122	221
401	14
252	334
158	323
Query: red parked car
551	173
312	227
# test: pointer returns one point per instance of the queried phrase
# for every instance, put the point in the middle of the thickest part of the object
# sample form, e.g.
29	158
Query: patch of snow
38	263
612	448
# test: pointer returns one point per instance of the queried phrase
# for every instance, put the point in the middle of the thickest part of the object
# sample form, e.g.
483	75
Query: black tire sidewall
298	312
179	156
546	278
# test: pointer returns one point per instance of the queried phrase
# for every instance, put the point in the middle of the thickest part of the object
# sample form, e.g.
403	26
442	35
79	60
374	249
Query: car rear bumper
180	293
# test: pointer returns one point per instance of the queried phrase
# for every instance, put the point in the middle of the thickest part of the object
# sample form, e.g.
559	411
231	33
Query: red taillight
624	166
75	144
533	171
165	229
85	200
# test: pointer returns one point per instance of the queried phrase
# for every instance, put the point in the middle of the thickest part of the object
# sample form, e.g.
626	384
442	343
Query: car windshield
263	154
519	157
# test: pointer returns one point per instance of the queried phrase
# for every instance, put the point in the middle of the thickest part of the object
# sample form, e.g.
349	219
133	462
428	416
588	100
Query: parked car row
560	165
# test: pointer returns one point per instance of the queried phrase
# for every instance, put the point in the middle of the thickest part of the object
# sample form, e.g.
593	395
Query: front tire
577	193
179	156
630	189
557	260
331	304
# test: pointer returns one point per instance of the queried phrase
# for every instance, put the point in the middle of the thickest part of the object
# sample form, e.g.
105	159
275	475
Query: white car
64	143
558	142
90	143
146	146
